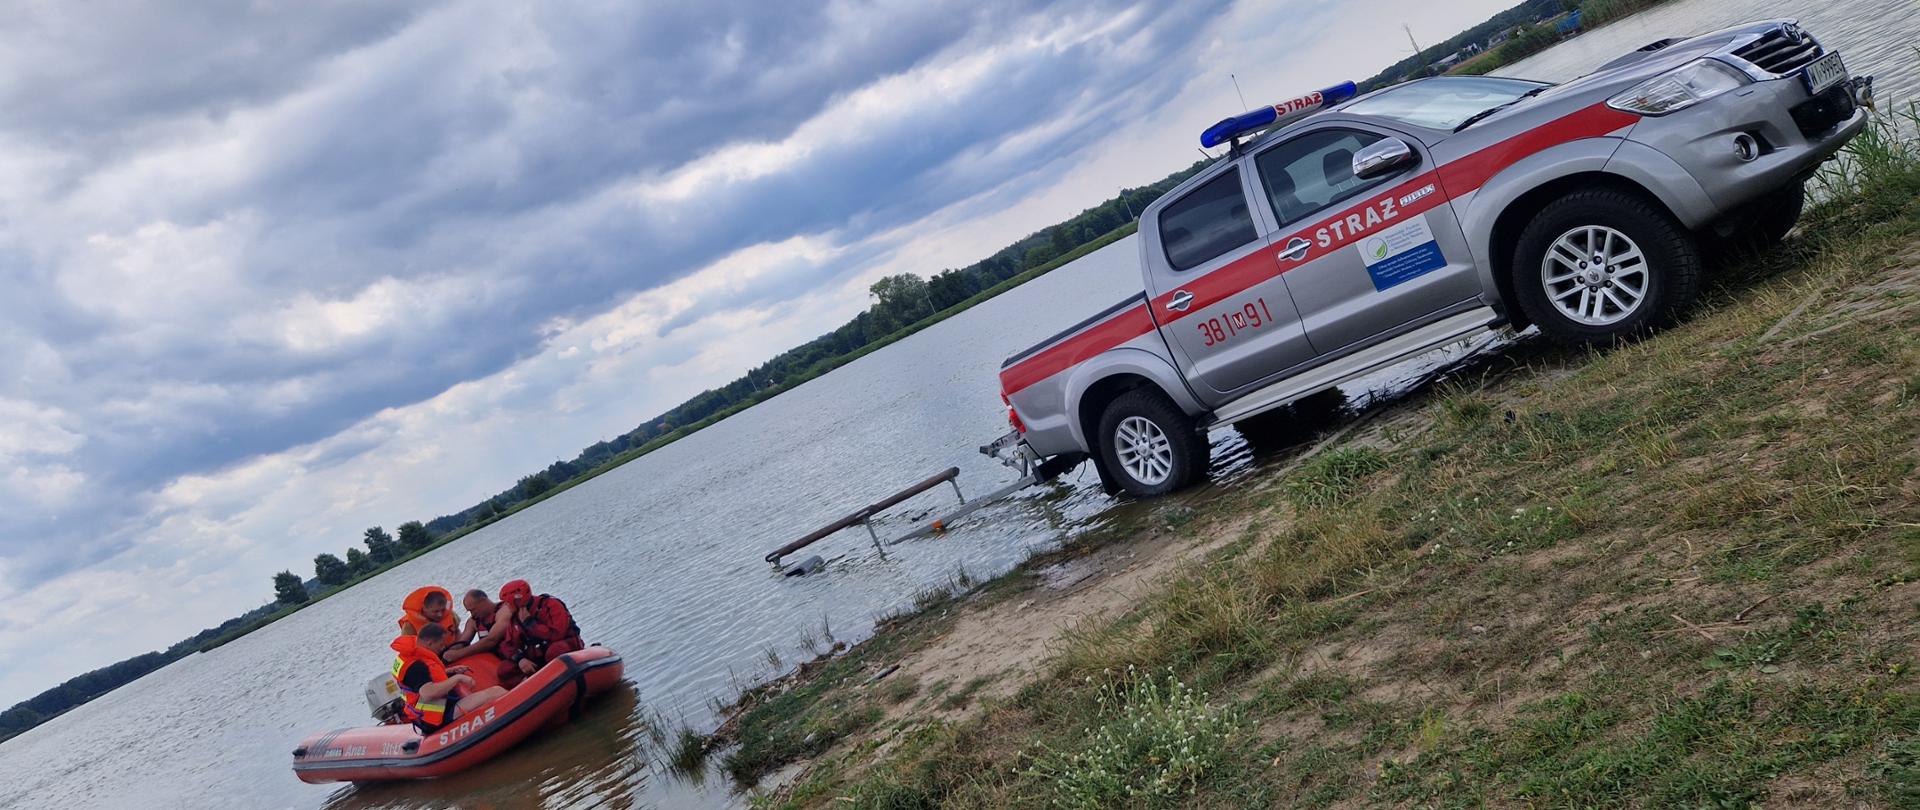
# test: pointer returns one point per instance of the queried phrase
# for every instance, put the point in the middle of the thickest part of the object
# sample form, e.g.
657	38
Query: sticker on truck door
1401	253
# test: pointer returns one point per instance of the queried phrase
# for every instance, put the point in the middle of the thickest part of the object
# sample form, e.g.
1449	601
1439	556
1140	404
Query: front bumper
1753	140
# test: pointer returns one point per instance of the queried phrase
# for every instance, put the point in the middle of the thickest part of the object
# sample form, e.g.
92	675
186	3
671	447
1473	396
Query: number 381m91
1219	328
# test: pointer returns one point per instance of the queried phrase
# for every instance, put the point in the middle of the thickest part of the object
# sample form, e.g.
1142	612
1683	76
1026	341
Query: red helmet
516	593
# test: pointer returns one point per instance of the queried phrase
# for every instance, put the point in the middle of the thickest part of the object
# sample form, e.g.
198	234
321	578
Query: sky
276	272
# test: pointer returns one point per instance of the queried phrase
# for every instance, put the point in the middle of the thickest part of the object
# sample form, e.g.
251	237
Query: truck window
1313	171
1208	222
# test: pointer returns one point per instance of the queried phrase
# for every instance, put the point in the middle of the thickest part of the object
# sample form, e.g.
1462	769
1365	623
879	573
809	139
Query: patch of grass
689	751
964	695
897	689
1897	769
1333	475
1156	742
1717	748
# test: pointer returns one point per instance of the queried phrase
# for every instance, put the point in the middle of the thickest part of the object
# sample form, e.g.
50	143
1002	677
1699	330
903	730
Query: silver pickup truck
1341	235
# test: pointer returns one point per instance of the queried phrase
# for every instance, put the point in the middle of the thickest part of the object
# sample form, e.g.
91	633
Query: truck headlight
1679	88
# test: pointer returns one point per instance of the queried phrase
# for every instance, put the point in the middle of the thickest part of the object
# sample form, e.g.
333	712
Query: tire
1647	254
1143	433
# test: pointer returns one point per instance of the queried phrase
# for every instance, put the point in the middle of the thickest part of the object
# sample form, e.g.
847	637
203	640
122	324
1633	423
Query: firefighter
429	685
542	629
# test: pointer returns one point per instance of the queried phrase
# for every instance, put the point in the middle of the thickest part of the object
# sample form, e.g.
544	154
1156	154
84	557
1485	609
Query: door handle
1180	301
1295	250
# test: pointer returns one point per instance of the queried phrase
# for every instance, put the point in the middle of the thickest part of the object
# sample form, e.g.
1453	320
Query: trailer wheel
1149	445
1602	266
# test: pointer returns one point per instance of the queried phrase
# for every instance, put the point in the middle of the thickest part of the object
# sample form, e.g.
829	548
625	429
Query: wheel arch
1503	233
1105	378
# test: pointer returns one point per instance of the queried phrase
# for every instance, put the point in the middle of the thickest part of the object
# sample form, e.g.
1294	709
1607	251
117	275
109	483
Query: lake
661	558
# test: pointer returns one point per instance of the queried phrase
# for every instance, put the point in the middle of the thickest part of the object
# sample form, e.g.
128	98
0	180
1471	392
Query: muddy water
661	558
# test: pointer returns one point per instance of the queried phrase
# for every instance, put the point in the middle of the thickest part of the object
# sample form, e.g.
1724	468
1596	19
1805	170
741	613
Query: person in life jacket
429	605
430	688
542	629
486	626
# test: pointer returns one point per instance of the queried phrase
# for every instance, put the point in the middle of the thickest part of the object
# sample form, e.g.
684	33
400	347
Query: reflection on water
599	761
661	559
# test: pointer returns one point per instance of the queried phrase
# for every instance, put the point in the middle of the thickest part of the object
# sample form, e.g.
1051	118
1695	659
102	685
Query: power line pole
1236	90
1416	48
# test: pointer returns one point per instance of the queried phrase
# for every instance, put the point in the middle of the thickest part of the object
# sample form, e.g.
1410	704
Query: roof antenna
1236	90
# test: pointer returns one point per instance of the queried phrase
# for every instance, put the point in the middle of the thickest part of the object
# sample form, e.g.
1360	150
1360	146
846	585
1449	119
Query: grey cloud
396	177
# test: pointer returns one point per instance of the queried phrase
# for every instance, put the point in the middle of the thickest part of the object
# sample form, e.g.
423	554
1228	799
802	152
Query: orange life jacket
428	714
413	612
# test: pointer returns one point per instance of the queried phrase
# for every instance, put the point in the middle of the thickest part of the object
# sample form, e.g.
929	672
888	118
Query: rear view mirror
1382	157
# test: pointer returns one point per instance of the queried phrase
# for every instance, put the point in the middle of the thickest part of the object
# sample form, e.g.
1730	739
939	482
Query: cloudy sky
271	270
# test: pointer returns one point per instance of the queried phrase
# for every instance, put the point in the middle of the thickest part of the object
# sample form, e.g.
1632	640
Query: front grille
1820	114
1779	54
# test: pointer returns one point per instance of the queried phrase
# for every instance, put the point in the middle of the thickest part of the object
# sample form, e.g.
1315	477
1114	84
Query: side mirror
1382	157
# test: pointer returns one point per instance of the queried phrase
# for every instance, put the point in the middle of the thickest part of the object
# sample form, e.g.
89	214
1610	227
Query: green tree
1061	240
288	588
358	562
414	535
330	570
1038	255
534	485
899	300
380	546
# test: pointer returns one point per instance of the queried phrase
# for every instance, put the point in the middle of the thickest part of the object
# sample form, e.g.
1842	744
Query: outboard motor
384	700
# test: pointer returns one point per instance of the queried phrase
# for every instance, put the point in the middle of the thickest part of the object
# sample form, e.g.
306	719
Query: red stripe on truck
1459	177
1472	171
1125	325
1235	278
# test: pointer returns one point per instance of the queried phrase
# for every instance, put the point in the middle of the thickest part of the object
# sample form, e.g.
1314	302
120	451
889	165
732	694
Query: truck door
1216	292
1363	258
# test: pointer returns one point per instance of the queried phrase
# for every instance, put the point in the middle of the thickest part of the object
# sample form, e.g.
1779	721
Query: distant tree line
1417	65
87	686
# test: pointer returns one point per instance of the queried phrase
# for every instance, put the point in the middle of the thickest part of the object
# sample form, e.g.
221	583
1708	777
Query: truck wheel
1598	267
1149	445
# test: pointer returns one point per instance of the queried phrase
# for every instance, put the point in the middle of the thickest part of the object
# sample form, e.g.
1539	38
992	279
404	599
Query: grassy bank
1679	573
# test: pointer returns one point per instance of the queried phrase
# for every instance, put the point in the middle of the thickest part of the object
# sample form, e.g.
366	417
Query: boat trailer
1008	449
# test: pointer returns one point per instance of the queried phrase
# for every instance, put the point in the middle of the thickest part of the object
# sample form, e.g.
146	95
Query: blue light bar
1288	110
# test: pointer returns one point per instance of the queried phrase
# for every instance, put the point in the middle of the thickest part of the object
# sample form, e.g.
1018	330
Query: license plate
1824	72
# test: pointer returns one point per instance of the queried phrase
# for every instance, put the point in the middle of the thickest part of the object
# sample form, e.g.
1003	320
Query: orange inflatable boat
547	698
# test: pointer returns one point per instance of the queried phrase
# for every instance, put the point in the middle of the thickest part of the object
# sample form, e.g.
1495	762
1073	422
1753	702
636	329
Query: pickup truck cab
1341	235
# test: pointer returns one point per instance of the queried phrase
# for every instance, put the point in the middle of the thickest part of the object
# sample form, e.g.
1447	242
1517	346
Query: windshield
1443	102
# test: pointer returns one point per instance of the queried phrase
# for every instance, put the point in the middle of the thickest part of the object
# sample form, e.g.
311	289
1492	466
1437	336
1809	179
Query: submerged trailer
1008	449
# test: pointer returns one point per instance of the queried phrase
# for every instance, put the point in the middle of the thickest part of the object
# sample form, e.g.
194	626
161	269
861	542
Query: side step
1358	364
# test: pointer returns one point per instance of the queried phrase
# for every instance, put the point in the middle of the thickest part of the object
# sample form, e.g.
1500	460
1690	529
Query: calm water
661	558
